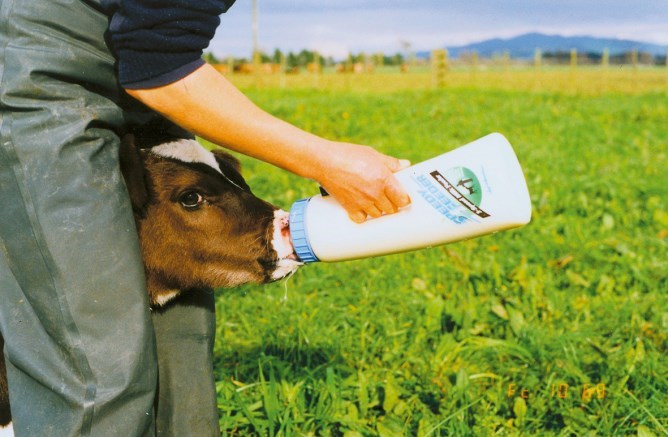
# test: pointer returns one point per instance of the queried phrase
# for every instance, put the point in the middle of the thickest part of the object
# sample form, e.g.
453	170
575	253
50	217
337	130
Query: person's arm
205	103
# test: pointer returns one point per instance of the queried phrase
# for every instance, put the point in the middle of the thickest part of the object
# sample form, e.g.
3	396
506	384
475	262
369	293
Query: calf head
199	224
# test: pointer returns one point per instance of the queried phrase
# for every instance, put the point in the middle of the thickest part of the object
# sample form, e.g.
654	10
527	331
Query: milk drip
471	191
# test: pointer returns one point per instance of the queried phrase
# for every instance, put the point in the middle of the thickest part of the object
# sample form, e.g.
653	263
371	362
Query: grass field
558	328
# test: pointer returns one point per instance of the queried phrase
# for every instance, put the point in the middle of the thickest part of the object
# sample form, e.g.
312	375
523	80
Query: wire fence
572	70
437	60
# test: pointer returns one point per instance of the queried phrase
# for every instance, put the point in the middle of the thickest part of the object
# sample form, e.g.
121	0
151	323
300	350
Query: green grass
444	341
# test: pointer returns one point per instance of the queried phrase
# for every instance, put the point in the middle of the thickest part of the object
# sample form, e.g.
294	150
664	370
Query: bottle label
457	194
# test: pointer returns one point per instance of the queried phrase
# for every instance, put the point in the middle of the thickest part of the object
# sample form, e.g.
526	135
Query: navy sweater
158	42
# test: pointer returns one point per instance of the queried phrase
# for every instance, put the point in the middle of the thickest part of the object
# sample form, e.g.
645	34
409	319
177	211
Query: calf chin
249	262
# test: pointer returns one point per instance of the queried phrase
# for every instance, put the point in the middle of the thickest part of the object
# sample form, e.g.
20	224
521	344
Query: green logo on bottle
462	184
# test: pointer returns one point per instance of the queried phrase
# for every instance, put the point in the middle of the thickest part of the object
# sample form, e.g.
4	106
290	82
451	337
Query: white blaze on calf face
187	151
190	151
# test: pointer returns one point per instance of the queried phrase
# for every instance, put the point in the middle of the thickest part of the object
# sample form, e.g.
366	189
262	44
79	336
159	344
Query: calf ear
132	168
224	159
231	169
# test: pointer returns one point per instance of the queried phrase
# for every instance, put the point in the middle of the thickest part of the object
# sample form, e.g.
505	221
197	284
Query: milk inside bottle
471	191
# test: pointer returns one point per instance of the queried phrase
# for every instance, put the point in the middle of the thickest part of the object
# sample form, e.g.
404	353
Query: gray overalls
80	341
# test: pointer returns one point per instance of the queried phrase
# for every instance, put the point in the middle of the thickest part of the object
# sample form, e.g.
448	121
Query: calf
199	225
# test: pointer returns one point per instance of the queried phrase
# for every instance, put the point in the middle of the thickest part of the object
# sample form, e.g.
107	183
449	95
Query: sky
338	27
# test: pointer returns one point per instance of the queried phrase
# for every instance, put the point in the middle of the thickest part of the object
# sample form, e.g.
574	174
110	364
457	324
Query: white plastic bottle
474	190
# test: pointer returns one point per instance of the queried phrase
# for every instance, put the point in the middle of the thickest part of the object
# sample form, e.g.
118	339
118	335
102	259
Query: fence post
379	60
316	72
348	70
475	61
364	60
230	65
605	60
257	65
634	58
439	67
537	59
574	58
283	70
505	60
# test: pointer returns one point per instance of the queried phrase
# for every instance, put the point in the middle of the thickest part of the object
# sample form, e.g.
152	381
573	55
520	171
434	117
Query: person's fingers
395	193
384	205
403	163
373	211
364	183
357	216
369	211
389	201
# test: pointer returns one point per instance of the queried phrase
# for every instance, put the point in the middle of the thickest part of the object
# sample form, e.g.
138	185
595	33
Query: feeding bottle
471	191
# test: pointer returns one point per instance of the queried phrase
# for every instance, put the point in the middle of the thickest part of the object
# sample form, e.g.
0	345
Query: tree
210	58
278	55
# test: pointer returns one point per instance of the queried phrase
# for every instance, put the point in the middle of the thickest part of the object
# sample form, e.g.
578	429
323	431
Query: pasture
558	328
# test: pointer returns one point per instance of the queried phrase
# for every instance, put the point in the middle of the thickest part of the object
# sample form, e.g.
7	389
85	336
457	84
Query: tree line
564	57
305	57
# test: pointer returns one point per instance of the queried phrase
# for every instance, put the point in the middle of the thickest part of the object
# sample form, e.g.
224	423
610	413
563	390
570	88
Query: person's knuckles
396	193
374	212
385	205
403	164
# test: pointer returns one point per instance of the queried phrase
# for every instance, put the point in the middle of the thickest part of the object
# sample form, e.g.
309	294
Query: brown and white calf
199	225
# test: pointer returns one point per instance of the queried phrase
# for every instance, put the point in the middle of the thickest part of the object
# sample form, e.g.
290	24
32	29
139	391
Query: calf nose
281	239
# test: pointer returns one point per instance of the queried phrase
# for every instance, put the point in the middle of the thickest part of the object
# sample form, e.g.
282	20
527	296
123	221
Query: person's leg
185	331
78	338
186	401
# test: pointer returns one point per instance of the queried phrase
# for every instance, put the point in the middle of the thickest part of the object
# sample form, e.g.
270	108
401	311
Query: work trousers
80	343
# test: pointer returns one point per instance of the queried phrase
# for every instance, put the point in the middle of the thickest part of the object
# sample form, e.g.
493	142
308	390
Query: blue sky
336	27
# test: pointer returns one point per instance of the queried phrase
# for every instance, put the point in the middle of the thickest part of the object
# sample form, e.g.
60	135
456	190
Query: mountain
524	46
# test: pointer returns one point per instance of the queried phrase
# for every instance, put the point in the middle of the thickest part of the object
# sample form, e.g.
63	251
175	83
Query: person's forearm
206	104
209	106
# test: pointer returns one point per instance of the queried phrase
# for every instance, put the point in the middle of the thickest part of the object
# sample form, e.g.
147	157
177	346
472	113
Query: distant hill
524	46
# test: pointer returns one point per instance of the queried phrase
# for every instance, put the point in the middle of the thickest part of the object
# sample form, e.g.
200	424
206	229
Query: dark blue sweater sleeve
158	42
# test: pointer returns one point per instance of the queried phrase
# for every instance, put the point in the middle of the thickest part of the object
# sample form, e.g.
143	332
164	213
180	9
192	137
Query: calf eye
191	199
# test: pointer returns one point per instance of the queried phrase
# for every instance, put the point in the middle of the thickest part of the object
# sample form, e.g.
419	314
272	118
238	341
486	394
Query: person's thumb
395	164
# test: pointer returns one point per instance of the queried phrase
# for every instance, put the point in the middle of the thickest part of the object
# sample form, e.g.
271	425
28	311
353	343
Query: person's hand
361	179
